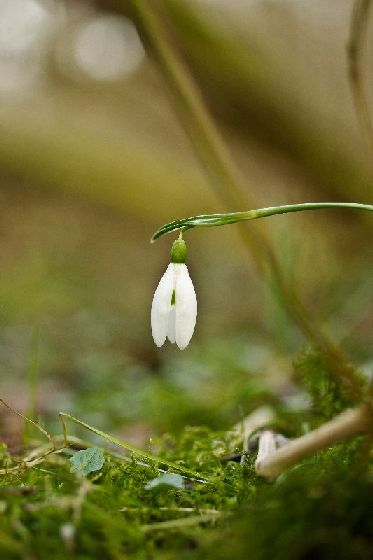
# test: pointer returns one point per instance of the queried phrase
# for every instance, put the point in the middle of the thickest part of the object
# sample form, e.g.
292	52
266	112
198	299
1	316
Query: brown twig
270	463
355	52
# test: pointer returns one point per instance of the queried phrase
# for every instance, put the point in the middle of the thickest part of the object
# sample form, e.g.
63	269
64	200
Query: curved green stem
212	220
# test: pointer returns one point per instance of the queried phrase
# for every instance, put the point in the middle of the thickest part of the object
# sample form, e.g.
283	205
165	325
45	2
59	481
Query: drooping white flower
174	307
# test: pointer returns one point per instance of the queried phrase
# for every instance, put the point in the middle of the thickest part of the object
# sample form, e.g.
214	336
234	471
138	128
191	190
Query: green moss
108	511
327	394
319	509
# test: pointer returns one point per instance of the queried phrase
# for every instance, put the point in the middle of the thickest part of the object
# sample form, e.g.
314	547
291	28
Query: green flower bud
178	251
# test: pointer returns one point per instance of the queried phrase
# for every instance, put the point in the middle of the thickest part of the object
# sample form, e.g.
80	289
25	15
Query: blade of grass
213	220
32	381
33	458
124	445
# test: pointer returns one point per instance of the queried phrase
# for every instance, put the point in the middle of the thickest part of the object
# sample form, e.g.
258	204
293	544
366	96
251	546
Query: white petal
185	306
161	306
171	331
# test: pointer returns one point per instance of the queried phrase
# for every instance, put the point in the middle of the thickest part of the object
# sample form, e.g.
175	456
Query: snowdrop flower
174	307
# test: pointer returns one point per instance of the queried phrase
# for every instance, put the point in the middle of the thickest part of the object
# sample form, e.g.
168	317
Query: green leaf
168	479
87	461
213	220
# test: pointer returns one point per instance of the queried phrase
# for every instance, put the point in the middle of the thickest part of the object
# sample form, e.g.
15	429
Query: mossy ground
320	509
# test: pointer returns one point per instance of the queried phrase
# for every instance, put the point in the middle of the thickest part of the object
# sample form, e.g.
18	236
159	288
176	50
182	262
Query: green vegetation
98	502
321	509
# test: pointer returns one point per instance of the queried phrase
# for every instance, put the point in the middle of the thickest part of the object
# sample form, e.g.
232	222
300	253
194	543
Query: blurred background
93	159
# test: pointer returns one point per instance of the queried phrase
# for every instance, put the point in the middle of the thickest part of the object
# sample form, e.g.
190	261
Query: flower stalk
213	220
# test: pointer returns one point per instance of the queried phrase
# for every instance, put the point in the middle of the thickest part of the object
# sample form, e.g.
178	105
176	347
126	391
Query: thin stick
32	378
227	180
346	425
266	447
355	52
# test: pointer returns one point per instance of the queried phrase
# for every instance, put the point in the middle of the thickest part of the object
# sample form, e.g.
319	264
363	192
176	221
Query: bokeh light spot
108	47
